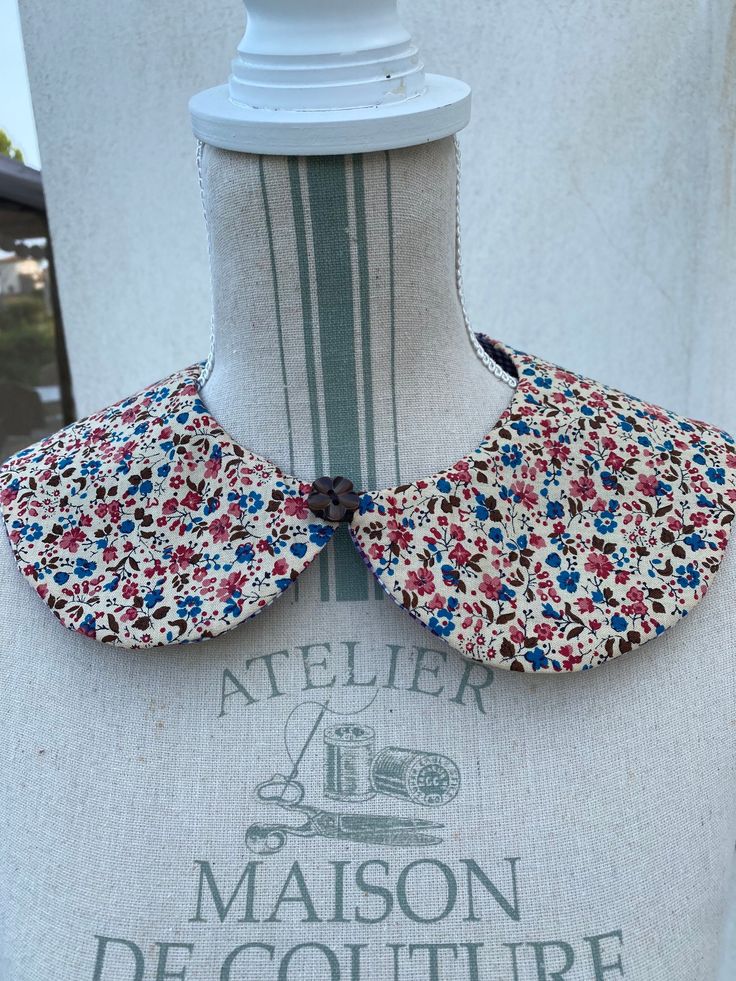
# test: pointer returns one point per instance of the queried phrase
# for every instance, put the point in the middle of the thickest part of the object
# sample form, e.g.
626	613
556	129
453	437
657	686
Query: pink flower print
585	604
8	494
461	473
376	552
647	484
296	507
130	590
212	467
280	567
584	488
420	581
235	582
459	554
220	529
192	500
544	631
600	564
437	602
614	462
182	558
457	532
637	599
490	586
398	534
524	493
72	539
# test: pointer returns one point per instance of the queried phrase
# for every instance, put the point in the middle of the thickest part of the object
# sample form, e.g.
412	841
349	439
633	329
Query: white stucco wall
596	200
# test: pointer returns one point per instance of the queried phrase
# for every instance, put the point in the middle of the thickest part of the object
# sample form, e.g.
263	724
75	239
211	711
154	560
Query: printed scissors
376	829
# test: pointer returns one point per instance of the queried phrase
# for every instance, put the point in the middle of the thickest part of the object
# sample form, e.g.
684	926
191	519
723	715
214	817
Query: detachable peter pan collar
583	525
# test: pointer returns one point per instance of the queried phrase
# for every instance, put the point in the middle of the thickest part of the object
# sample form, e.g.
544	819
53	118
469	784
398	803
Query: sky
16	113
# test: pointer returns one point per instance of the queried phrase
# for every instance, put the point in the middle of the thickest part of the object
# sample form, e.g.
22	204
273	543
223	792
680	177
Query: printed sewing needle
297	762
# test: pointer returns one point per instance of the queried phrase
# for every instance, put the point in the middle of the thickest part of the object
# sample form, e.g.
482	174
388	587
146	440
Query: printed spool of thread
423	778
349	750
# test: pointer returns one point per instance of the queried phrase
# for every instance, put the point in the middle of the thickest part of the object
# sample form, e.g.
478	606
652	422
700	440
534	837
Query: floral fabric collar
583	525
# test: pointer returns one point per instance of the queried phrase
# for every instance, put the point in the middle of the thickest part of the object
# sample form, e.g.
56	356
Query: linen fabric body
331	793
584	524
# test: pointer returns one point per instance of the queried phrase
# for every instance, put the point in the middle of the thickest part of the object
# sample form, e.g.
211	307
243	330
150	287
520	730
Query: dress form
336	312
591	832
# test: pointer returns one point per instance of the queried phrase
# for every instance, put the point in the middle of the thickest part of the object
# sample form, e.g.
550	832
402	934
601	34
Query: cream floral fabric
585	523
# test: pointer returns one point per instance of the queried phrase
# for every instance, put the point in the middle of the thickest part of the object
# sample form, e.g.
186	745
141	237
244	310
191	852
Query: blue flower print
717	475
244	553
618	622
606	523
555	509
153	598
90	467
84	568
537	658
320	534
688	576
299	549
255	502
32	532
441	623
189	607
695	542
511	455
444	485
568	581
144	488
554	560
88	625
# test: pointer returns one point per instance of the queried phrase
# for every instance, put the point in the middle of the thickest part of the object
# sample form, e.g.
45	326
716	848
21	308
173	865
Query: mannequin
585	824
380	233
329	791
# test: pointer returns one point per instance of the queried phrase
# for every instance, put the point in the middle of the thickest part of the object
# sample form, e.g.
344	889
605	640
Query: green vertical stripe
365	320
306	298
392	297
365	331
328	202
277	302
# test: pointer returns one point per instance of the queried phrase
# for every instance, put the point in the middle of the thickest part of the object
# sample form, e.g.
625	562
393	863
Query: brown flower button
333	499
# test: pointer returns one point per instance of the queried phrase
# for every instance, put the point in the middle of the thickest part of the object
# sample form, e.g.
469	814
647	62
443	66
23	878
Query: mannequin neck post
339	339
